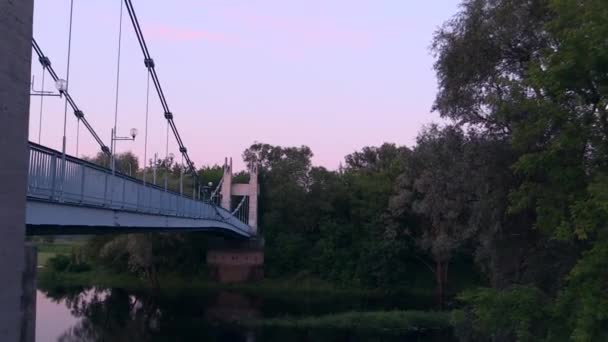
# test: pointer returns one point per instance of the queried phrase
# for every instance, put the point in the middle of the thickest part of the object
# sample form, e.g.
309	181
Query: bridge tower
249	190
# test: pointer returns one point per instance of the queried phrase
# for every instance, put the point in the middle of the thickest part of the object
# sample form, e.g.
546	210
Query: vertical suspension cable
67	77
41	104
181	179
77	135
146	131
167	156
113	143
65	108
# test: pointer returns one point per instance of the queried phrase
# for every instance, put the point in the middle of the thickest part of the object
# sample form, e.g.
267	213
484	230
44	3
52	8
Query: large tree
436	188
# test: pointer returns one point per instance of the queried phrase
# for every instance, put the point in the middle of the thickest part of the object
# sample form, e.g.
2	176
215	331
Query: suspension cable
77	135
67	78
217	189
239	205
181	176
41	104
117	91
149	62
167	156
44	60
146	131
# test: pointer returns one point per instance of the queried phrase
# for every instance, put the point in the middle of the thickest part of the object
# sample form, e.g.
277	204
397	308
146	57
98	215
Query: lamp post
60	84
207	191
114	139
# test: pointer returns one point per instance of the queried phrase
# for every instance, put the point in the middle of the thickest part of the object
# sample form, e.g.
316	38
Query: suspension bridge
43	190
69	195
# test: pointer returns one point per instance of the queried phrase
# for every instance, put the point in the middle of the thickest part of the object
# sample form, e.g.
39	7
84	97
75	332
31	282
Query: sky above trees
335	76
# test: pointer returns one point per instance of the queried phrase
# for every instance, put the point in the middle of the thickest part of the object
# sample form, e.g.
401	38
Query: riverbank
395	322
285	287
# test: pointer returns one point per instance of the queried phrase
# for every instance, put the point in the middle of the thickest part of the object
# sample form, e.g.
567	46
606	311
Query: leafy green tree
126	163
539	80
436	188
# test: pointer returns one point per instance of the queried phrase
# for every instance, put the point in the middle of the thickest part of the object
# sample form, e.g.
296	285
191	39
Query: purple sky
334	75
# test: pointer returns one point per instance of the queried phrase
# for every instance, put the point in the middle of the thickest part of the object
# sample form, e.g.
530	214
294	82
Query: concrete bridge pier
238	261
15	64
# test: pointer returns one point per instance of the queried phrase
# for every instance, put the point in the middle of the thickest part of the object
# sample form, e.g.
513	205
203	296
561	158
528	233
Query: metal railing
79	182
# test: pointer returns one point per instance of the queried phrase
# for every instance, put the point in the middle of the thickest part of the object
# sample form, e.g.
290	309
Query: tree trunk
439	282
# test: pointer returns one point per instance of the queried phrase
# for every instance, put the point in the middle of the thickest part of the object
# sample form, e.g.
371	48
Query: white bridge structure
68	195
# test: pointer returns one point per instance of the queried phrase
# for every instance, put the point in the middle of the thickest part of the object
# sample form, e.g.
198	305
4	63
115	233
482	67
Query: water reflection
78	314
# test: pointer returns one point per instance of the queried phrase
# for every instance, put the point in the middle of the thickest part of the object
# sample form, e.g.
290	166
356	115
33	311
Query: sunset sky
334	75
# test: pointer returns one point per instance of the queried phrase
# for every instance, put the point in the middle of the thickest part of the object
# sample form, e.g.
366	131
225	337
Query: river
79	314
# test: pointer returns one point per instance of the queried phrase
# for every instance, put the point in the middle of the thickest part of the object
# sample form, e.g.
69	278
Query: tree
126	163
436	188
535	72
483	57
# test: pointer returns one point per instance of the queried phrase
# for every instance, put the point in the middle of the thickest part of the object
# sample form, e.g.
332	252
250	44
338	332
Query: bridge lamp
116	138
210	184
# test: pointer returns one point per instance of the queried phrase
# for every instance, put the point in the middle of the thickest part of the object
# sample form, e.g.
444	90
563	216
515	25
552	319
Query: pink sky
333	75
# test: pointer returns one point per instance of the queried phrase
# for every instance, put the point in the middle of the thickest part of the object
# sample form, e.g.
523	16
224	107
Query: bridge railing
77	181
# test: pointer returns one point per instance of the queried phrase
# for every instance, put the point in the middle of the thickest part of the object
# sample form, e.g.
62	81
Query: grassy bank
101	277
284	287
396	322
48	250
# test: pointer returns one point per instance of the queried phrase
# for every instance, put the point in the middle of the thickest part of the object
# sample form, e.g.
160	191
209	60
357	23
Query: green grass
49	250
60	246
309	289
48	278
101	277
380	321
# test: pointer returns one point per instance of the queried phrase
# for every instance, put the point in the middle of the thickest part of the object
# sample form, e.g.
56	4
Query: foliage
435	188
534	74
67	263
59	263
126	162
581	308
516	313
389	321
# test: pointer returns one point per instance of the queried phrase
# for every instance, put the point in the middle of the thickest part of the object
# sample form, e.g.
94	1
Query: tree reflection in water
110	315
141	315
152	315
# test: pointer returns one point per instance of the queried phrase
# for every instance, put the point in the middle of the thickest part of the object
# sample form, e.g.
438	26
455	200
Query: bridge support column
236	261
15	65
227	186
249	190
254	192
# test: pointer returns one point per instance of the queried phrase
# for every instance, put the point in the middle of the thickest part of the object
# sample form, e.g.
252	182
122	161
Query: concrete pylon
15	64
227	186
254	192
251	190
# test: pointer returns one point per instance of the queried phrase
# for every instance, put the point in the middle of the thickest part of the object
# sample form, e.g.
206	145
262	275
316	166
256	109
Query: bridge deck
76	193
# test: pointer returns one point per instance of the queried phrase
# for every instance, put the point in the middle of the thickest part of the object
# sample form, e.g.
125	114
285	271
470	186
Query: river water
78	314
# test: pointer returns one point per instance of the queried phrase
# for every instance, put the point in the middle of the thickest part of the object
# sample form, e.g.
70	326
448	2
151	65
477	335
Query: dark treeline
501	212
